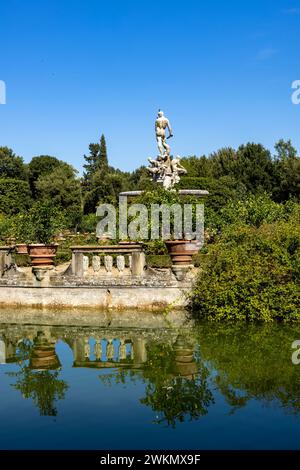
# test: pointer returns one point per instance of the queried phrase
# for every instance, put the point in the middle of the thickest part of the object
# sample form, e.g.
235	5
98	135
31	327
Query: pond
158	386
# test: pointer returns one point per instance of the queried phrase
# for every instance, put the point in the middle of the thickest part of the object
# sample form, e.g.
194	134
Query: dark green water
207	387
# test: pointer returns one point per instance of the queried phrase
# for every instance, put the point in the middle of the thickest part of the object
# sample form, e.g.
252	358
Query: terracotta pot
181	251
44	358
42	255
185	364
192	246
22	249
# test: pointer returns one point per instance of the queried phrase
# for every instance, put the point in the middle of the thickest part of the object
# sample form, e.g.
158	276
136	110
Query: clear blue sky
221	71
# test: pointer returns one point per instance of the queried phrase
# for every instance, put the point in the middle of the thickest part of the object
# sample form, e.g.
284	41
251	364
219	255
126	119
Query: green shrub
251	274
159	261
6	227
89	223
63	256
254	211
40	224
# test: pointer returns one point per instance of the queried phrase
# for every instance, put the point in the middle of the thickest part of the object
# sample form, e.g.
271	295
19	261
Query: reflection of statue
161	124
164	170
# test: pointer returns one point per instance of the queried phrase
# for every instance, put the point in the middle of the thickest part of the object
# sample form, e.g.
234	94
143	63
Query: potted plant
181	251
21	248
38	228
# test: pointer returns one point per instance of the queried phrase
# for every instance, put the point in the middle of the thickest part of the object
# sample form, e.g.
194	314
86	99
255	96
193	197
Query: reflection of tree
42	386
174	390
175	397
253	362
178	398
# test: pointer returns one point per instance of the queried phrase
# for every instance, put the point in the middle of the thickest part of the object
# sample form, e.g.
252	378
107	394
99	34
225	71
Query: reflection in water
176	382
253	362
180	370
43	355
174	377
35	379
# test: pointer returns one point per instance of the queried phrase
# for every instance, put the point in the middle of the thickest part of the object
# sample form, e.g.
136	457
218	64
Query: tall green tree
254	168
284	150
95	161
11	166
41	165
63	188
223	162
103	160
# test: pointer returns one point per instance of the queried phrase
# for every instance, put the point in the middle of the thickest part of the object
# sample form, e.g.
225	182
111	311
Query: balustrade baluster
98	350
122	350
96	263
110	350
87	348
85	263
108	262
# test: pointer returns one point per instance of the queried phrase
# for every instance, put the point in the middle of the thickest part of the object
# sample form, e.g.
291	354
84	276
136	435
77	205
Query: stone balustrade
105	258
5	258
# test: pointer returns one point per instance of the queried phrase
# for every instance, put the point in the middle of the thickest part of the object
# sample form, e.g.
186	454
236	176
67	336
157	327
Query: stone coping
123	248
181	192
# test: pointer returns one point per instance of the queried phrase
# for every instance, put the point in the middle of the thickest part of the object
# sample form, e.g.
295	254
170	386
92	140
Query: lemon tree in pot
38	228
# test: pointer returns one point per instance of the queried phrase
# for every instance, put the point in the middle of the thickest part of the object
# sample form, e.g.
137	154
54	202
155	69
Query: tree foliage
42	165
15	196
252	272
62	187
11	166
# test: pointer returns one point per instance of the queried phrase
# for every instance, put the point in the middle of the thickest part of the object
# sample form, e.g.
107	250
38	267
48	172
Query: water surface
160	386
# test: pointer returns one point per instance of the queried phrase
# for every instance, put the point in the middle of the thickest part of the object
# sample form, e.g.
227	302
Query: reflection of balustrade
7	352
109	352
104	258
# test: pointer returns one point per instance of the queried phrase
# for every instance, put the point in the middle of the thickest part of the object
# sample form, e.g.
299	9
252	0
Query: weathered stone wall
118	297
153	289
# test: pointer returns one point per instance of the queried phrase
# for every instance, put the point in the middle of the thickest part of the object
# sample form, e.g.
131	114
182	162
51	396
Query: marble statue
161	124
164	169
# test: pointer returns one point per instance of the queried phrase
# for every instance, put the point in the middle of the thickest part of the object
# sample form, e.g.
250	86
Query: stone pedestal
180	272
138	263
5	258
77	264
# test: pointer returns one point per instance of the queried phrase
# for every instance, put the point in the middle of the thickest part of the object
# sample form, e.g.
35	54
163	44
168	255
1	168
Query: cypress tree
103	160
96	160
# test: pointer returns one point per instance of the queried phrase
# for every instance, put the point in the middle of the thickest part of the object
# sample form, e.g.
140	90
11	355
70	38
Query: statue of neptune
161	124
164	169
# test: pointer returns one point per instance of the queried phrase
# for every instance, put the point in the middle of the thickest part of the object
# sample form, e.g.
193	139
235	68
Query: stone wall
117	297
81	285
